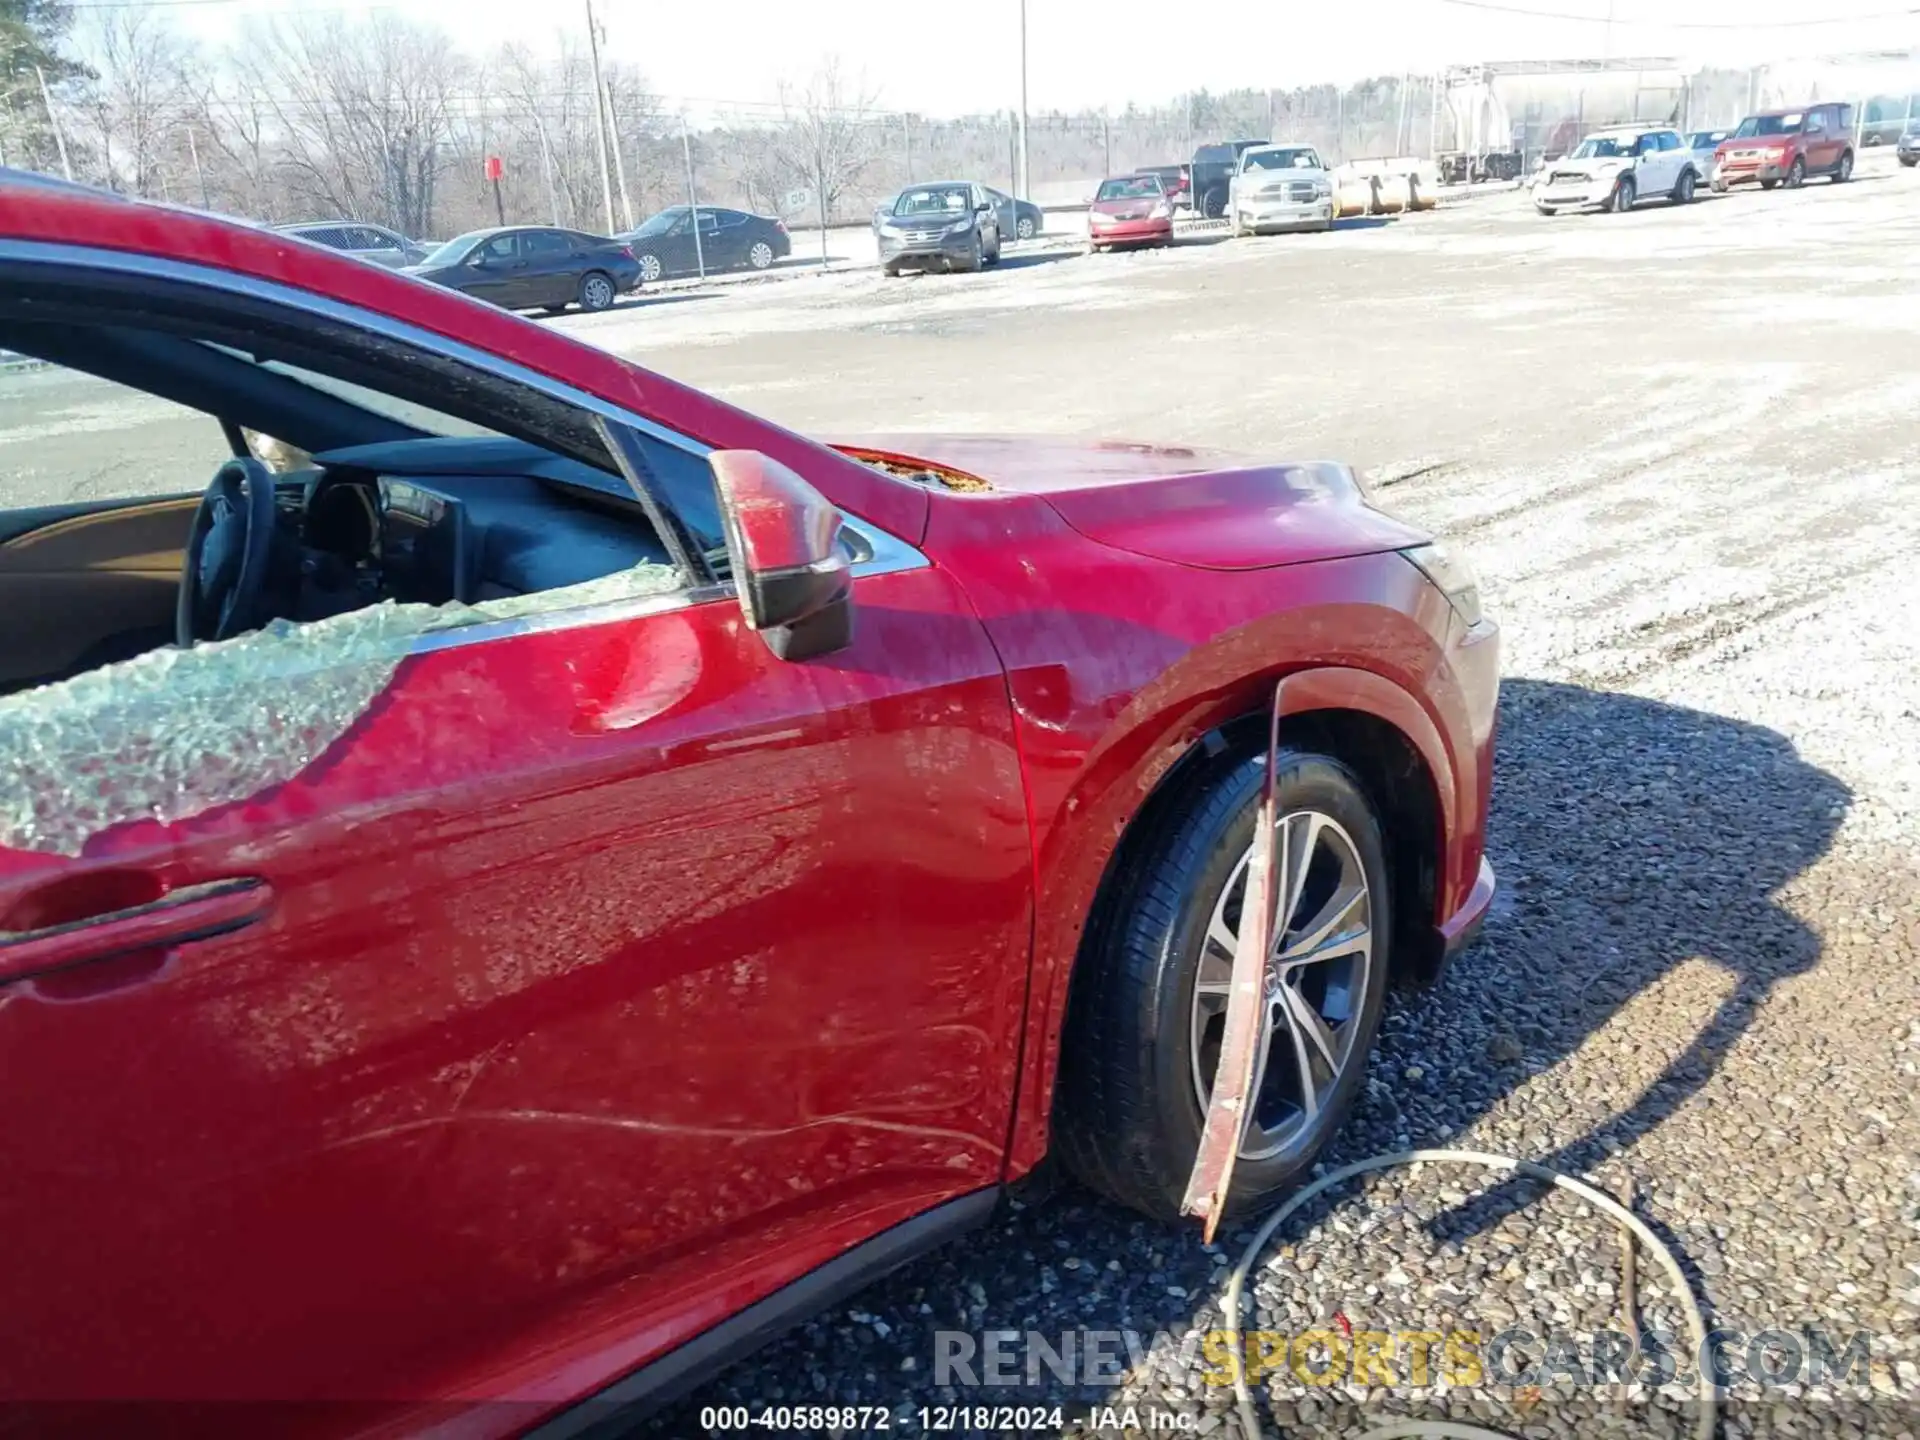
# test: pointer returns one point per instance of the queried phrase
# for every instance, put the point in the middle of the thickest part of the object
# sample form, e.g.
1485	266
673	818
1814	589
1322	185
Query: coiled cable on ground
1451	1429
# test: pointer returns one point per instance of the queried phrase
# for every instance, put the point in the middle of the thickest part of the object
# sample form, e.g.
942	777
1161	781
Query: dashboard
439	521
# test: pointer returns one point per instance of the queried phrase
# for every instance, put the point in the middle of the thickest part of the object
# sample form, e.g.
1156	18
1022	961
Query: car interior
356	476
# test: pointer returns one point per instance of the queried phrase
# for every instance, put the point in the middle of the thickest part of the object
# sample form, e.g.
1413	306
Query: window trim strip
886	553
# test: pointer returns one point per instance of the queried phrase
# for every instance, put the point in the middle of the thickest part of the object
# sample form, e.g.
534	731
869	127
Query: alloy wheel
1023	228
1314	988
597	293
650	267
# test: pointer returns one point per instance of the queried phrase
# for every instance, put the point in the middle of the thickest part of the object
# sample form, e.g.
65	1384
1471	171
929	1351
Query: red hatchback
1130	210
552	877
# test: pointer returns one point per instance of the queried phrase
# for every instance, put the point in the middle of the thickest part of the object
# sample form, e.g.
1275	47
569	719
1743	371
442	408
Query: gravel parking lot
1680	447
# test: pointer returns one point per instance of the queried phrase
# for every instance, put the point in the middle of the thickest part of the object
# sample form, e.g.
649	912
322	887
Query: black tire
975	258
1908	162
1624	194
1796	174
1843	172
1213	204
1127	1115
1768	184
597	291
1683	188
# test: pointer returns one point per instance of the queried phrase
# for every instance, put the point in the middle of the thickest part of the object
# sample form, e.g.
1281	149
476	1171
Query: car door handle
196	912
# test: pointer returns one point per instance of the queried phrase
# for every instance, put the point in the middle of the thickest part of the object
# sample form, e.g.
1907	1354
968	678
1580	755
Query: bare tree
137	98
827	137
749	156
365	113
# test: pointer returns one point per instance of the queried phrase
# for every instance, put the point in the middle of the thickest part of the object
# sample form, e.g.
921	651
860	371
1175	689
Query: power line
1500	9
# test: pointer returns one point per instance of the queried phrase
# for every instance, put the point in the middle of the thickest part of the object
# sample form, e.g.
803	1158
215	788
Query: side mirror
985	207
794	576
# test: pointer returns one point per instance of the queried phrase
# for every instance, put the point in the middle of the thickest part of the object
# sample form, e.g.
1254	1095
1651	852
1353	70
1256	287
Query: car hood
1204	508
1592	169
1131	207
1275	177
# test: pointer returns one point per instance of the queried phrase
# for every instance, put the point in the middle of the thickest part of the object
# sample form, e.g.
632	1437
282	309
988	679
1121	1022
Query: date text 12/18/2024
945	1419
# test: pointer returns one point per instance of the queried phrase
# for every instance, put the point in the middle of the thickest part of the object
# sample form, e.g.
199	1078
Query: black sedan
729	240
1019	219
527	267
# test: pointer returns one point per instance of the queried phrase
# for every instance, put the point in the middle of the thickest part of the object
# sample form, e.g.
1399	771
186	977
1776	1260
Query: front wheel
1683	189
1148	1005
596	291
1843	172
1796	173
1624	195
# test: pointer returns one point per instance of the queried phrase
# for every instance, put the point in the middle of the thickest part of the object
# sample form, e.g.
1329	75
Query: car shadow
1009	261
1632	838
1635	838
644	301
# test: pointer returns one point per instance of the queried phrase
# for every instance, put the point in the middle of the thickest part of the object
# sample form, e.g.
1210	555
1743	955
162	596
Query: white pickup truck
1280	187
1615	169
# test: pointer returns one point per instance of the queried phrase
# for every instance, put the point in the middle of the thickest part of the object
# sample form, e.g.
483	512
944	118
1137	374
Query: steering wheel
228	550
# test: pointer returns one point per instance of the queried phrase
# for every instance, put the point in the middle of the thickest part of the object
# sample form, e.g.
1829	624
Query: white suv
1613	169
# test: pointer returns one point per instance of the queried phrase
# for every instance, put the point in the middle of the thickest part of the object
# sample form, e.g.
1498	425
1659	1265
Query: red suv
1784	147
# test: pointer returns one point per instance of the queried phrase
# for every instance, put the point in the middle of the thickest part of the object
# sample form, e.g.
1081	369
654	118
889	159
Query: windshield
1604	147
939	200
1705	139
1767	125
1293	158
455	250
1132	187
659	224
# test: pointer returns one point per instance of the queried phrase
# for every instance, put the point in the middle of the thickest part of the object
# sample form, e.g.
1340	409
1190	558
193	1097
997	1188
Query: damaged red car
518	879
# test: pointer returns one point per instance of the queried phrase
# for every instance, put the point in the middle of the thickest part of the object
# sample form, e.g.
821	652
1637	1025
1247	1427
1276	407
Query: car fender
1119	665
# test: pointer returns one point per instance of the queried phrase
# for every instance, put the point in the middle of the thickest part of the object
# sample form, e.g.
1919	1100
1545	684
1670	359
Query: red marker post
493	172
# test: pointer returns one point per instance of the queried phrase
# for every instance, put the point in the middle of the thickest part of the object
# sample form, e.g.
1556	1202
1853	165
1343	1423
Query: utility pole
1106	143
613	133
906	137
1400	145
546	168
59	133
600	116
1023	102
693	200
193	149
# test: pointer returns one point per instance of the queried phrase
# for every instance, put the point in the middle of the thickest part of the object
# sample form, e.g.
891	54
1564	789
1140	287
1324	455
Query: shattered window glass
174	733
